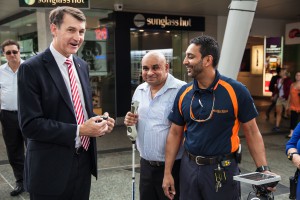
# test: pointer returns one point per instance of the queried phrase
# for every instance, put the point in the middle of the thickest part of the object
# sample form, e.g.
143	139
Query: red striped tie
85	140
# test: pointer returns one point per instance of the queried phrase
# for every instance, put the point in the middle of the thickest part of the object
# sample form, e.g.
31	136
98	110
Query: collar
212	87
7	67
59	58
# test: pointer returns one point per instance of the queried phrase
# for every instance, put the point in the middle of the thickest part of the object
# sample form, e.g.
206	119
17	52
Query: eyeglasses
192	116
11	52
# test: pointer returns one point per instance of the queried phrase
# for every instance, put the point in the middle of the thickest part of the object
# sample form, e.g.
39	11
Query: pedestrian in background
293	103
283	87
292	149
155	96
208	112
56	114
12	135
272	88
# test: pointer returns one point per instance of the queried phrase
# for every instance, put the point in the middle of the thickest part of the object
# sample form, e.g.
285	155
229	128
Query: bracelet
291	155
263	168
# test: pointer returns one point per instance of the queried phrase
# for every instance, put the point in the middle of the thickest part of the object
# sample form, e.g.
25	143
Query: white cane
132	134
133	169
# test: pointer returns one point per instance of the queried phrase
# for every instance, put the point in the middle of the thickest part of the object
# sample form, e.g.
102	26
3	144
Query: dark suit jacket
48	120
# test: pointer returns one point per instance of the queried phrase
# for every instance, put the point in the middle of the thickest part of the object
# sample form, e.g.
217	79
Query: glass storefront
23	30
95	52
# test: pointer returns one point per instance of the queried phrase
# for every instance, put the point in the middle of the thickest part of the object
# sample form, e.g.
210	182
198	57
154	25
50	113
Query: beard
195	70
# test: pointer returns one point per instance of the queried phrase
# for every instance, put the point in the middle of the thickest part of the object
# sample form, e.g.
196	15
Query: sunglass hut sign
162	22
54	3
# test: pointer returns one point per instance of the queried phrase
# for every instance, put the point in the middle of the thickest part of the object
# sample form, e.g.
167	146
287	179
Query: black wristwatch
263	168
290	155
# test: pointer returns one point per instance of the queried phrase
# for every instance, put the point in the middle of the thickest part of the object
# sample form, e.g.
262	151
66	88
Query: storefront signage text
54	3
163	22
158	21
273	49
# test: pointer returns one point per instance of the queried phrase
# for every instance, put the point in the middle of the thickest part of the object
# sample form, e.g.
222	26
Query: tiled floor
115	158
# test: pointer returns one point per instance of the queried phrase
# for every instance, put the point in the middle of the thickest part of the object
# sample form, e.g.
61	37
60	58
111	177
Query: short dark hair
208	46
278	70
8	43
56	15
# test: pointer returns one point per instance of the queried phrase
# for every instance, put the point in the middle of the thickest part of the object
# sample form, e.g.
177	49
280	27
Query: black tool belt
201	160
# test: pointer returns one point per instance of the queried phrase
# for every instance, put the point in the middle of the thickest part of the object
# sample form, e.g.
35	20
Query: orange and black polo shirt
217	112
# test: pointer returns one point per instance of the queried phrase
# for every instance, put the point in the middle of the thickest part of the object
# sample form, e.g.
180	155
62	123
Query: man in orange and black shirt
209	111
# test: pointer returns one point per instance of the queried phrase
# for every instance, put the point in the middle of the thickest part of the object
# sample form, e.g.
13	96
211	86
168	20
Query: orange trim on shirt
181	98
235	140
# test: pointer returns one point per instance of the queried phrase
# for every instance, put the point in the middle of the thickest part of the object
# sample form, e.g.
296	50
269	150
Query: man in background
155	96
272	88
12	135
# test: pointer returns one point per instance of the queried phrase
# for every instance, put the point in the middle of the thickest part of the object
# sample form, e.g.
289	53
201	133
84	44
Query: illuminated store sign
164	21
292	33
159	22
273	49
101	33
54	3
272	60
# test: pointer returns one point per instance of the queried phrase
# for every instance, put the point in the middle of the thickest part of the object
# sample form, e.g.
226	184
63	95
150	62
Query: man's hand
96	126
110	122
168	186
130	119
272	189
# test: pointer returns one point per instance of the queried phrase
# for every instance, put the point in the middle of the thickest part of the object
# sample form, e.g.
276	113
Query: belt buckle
199	158
154	163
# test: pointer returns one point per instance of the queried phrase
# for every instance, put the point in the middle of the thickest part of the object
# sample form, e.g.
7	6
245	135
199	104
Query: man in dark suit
54	98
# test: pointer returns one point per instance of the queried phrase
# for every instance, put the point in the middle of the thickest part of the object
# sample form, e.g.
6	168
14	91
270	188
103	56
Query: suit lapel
58	80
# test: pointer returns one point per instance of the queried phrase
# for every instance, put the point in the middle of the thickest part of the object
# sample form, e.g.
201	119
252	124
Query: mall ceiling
269	9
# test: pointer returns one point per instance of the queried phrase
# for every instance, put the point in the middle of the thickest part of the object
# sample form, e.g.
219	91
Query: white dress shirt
9	88
153	124
60	61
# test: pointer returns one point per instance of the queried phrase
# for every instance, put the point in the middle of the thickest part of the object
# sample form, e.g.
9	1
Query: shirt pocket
162	111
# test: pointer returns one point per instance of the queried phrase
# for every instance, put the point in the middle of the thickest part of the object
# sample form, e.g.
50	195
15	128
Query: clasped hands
97	126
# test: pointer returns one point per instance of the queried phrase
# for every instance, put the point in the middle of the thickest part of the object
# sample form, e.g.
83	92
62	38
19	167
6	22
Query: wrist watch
290	155
263	168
